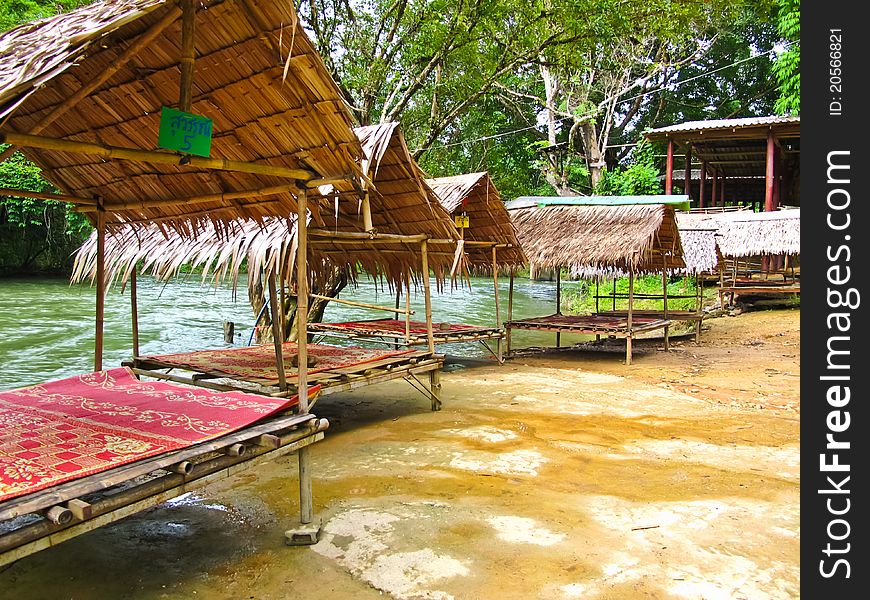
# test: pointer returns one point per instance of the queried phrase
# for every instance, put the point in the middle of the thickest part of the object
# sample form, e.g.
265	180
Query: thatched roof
597	240
700	250
745	233
256	75
475	195
402	204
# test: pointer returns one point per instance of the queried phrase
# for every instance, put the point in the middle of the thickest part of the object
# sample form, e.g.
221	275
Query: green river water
47	325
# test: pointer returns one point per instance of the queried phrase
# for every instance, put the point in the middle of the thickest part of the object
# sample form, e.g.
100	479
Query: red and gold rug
257	363
67	429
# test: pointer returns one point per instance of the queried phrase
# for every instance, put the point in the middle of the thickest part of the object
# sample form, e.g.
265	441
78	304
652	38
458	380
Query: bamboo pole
499	354
90	203
630	309
276	332
699	303
510	313
408	311
613	291
398	299
116	65
665	300
360	304
148	156
367	212
558	302
134	312
306	501
597	307
669	168
188	54
223	197
430	336
101	287
354	235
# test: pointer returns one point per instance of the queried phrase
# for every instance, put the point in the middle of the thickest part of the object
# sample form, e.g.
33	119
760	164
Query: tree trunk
594	158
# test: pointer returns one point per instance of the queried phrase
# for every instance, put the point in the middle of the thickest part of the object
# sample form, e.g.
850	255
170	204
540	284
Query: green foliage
640	177
578	296
35	235
16	12
788	63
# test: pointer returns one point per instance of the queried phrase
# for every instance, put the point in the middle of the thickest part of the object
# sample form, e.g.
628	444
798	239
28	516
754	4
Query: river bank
557	475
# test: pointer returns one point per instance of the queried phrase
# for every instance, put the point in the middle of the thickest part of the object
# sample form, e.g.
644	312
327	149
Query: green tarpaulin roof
679	201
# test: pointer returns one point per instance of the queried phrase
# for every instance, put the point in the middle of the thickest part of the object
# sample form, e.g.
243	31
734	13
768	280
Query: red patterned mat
67	429
590	320
257	363
395	326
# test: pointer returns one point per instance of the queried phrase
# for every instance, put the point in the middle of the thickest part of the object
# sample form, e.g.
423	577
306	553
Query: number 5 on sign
184	132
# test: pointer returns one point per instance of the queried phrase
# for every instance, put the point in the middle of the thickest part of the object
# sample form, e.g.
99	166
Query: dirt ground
561	475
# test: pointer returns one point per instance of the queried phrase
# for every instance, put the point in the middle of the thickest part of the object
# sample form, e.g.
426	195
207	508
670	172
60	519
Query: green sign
184	132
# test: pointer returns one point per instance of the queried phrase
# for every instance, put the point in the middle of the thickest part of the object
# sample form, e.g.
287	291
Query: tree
788	63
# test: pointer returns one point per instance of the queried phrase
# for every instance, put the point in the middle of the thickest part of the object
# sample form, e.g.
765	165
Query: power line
520	130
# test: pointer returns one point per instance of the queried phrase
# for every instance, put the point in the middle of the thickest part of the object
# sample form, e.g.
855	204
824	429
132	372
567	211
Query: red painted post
687	182
703	192
769	175
714	201
669	170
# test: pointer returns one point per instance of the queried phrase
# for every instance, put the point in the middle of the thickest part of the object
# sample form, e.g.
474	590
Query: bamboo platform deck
598	324
47	517
390	331
333	380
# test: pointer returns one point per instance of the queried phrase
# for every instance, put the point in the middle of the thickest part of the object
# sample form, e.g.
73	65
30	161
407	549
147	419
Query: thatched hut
700	250
597	241
473	197
744	234
108	101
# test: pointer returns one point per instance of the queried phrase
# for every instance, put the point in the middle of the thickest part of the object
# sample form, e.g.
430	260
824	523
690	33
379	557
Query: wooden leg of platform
500	356
628	350
435	386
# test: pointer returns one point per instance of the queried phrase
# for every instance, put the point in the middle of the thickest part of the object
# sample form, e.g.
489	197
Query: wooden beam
397	310
510	311
88	202
306	495
630	309
148	156
101	288
224	197
277	335
188	54
669	168
770	173
354	235
134	312
116	65
430	336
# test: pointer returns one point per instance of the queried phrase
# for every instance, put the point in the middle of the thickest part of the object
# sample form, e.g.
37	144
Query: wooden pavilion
758	157
402	220
600	241
88	96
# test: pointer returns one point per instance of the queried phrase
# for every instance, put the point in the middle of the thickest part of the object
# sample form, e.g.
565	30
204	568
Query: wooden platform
48	517
405	366
374	331
597	324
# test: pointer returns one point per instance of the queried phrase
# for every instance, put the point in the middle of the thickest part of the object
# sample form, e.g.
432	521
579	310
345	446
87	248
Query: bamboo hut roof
475	195
746	233
700	250
600	239
401	204
256	75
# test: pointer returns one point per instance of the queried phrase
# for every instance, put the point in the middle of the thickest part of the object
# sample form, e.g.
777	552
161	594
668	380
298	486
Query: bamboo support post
366	207
188	54
408	311
699	305
597	307
613	291
306	496
630	309
430	336
397	310
398	299
499	351
435	386
276	333
101	287
510	310
665	301
134	308
558	302
102	77
150	156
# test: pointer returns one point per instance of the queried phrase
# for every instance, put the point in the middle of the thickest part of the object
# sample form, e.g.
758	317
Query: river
47	324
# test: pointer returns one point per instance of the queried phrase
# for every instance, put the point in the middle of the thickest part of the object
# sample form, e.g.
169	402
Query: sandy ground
562	475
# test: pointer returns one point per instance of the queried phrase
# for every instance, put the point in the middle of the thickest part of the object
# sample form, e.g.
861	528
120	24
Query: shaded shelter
599	241
751	161
81	95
